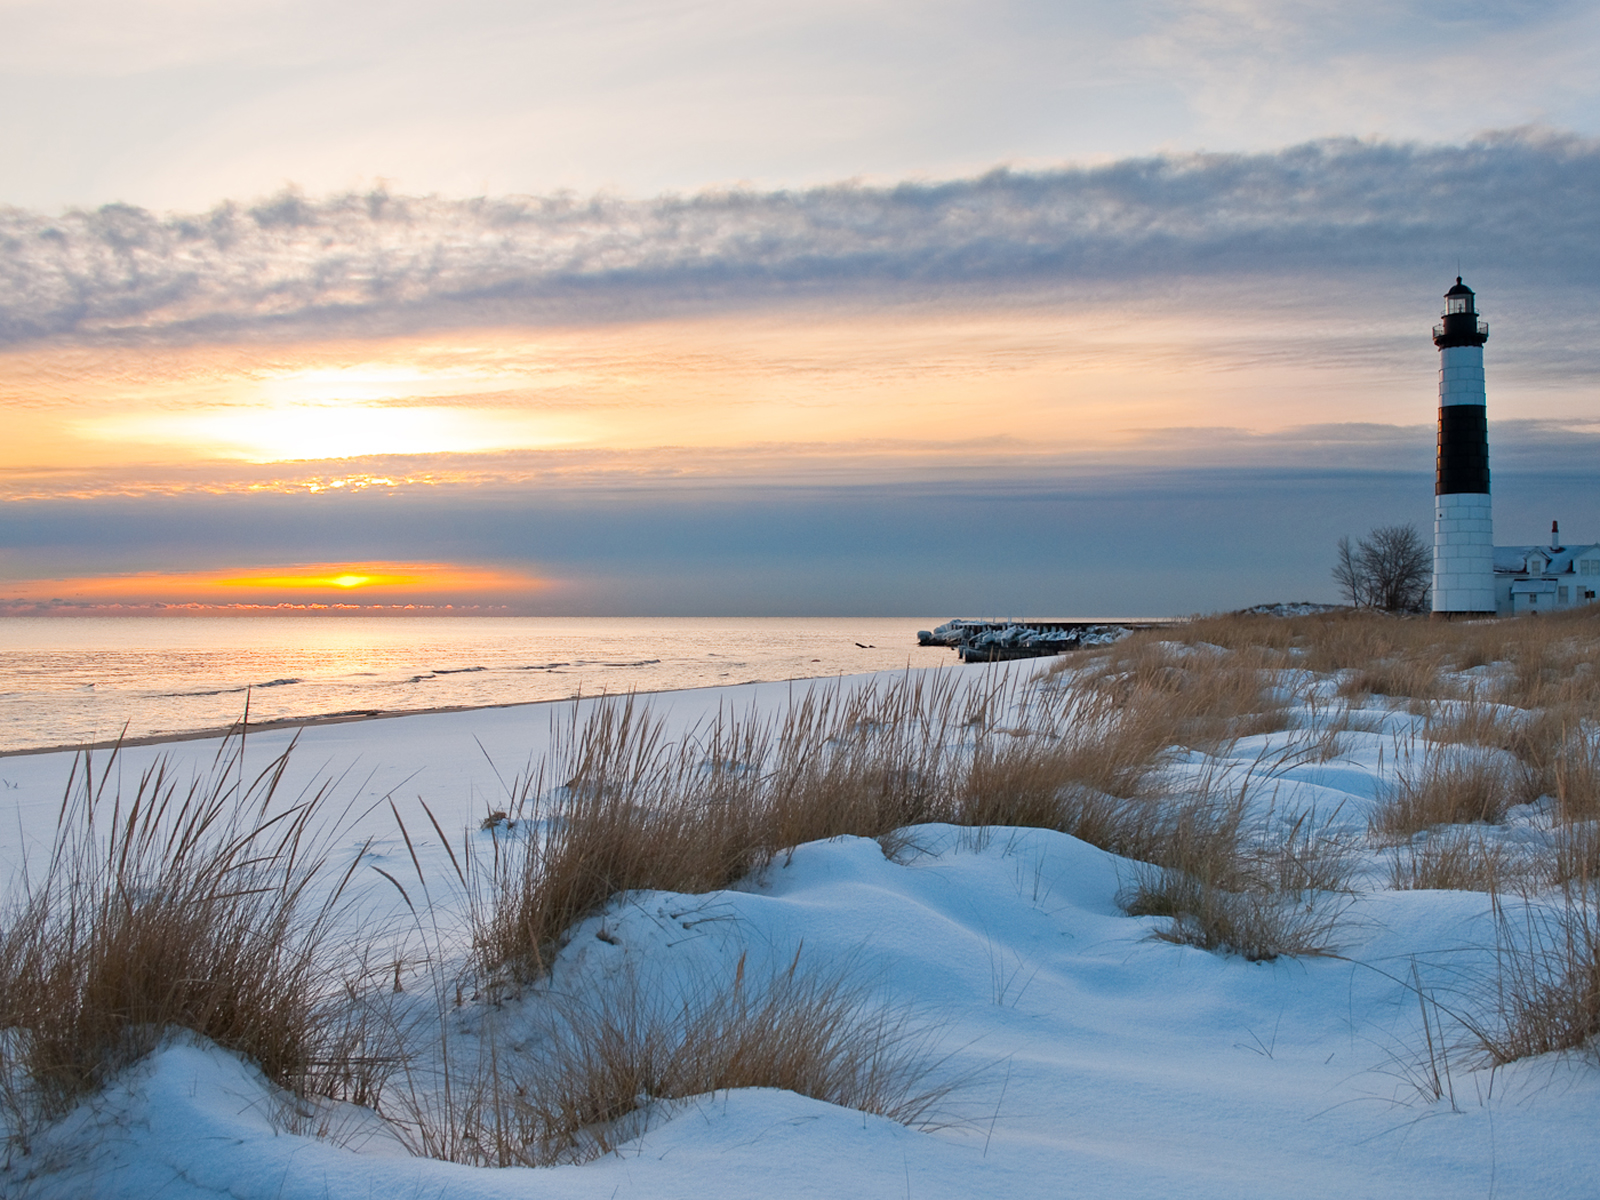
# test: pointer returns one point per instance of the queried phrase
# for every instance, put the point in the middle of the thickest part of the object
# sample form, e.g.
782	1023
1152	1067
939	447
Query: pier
993	640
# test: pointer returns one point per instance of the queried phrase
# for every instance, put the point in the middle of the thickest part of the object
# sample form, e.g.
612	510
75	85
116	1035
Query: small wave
457	670
543	666
279	683
212	692
643	662
420	678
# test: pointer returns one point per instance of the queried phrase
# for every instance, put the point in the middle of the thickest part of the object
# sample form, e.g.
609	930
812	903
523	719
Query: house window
1561	595
1589	566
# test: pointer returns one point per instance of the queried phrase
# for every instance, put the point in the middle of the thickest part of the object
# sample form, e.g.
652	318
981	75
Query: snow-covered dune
1086	1056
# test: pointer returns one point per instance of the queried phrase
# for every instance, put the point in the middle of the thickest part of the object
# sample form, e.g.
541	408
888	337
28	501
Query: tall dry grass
208	906
1084	750
1449	785
1546	993
635	811
1556	746
188	905
1461	860
1574	857
595	1064
1572	772
1260	893
192	905
1189	693
1256	925
1510	717
1084	754
598	1065
1538	663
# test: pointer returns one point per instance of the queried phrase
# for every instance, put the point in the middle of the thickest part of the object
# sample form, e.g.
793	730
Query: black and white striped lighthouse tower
1463	532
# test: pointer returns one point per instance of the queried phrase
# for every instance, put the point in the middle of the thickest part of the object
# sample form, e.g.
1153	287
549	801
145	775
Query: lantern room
1461	326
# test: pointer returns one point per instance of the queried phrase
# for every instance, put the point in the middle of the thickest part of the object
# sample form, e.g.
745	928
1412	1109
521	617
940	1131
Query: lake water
70	681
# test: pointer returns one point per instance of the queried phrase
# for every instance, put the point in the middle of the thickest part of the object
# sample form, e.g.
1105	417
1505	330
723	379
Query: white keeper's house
1535	579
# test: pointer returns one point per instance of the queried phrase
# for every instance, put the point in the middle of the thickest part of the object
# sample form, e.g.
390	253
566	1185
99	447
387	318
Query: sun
344	579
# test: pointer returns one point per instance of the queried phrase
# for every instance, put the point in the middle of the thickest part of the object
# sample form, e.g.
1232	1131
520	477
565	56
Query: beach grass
596	1066
187	905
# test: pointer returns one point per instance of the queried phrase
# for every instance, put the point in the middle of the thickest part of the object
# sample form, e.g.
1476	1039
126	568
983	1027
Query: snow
1293	608
1089	1058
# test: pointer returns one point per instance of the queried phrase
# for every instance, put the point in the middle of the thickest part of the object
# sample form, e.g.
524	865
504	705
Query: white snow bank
1097	1061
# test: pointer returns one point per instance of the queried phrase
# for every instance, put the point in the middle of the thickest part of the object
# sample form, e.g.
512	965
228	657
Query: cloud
1517	206
1522	447
1183	524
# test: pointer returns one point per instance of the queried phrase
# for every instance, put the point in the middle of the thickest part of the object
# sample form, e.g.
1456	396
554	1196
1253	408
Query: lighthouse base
1463	555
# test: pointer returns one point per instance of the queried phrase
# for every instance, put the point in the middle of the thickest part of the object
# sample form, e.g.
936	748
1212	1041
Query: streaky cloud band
377	262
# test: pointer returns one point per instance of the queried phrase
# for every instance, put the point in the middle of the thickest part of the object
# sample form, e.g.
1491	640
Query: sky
933	309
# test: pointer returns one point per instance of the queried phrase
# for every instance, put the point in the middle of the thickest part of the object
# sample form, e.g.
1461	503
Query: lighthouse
1463	532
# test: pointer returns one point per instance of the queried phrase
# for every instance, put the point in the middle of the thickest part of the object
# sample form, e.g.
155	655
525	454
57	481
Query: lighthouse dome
1458	299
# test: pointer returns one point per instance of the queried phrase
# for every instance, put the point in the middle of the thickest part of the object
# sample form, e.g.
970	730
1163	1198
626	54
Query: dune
1053	1043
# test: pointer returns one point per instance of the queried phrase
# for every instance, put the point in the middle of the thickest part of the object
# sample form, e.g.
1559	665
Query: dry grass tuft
1412	678
1449	786
1575	858
871	761
1574	772
1306	858
1474	721
599	1063
1458	860
620	822
1547	990
1085	754
1257	925
1227	888
1190	693
638	812
185	907
814	1034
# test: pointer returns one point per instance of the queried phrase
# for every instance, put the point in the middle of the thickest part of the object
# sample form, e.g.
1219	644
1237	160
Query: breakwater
991	640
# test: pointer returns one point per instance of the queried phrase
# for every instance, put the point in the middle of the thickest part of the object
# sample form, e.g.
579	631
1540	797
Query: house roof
1513	560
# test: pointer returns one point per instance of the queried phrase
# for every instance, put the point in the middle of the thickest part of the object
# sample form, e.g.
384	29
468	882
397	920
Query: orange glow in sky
381	583
1042	380
431	575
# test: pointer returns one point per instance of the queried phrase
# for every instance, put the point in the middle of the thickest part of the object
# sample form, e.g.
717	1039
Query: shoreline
355	716
269	725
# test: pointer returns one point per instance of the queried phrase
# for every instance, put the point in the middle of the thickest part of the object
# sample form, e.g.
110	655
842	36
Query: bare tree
1391	568
1347	574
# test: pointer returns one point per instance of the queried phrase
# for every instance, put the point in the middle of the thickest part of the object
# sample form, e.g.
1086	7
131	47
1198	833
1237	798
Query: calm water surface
67	681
